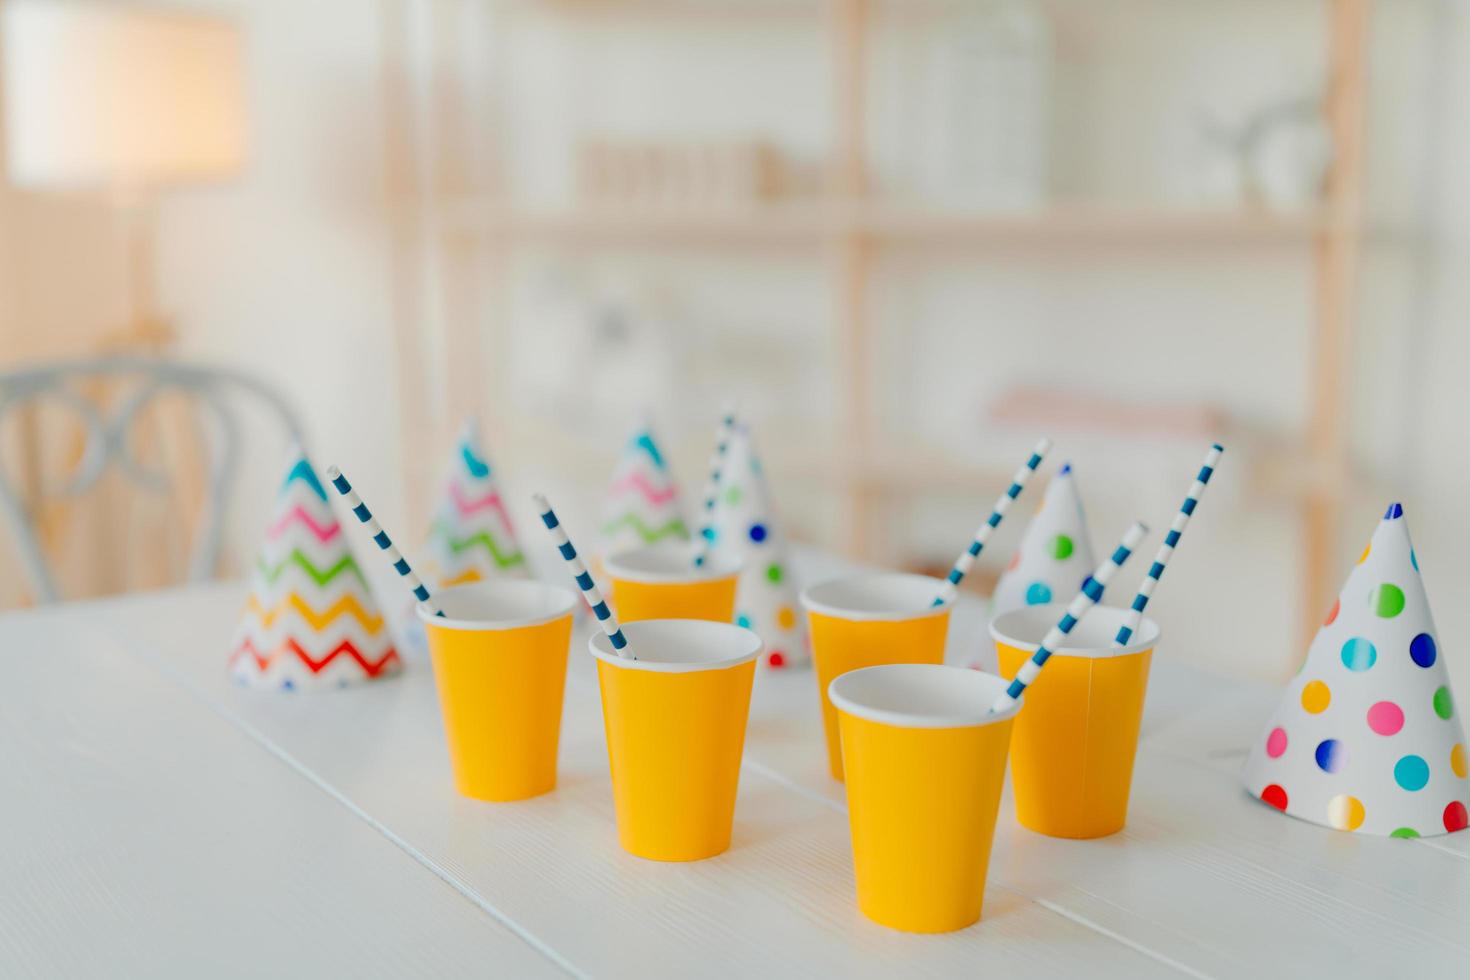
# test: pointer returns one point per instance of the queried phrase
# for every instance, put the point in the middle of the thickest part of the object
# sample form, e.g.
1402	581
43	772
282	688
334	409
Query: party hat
643	501
1366	737
310	621
1055	554
746	529
471	537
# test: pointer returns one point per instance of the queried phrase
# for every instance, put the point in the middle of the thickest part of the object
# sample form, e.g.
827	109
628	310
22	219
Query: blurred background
909	236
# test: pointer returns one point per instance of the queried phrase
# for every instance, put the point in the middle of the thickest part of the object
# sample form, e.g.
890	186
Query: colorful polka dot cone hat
643	504
746	528
471	537
1367	737
1055	554
310	621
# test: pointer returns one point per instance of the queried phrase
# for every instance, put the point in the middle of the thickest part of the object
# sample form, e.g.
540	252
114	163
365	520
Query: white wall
291	269
287	271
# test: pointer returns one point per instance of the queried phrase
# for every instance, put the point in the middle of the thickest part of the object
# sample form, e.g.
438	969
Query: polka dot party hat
746	528
1055	554
1367	738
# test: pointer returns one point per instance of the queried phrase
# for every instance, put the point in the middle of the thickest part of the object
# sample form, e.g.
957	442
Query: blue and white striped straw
1166	550
1092	591
967	557
605	617
381	539
712	487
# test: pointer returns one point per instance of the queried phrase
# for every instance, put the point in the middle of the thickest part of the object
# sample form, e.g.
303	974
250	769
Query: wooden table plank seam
1116	937
578	681
1051	906
1199	868
754	765
286	758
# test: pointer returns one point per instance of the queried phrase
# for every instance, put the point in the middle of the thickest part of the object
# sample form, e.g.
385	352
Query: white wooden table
159	821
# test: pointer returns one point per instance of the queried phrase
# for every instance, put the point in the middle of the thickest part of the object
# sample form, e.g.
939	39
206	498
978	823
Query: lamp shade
118	95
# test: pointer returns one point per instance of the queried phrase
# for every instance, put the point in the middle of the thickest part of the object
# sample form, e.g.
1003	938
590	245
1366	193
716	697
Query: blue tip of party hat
1066	468
1395	511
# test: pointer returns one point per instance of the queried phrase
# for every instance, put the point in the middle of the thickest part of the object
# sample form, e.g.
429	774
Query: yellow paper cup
675	721
661	582
500	665
868	620
926	764
1072	755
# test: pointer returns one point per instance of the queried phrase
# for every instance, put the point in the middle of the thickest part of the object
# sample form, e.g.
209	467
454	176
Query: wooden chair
108	436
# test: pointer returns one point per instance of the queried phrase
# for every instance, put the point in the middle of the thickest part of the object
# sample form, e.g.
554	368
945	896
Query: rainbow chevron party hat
643	500
1055	554
310	621
1367	737
471	536
746	529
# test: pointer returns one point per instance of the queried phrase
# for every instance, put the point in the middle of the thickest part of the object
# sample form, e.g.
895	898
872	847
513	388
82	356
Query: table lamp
123	99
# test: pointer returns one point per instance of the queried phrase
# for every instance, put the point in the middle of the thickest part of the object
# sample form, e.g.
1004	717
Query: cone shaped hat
471	536
746	529
310	620
643	504
1367	737
1055	555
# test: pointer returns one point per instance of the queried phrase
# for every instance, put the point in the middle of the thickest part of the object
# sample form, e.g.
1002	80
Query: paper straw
1092	591
967	557
1166	550
590	592
381	539
712	487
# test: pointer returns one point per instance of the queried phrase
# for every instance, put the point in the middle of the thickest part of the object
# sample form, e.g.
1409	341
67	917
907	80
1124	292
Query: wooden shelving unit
452	249
887	226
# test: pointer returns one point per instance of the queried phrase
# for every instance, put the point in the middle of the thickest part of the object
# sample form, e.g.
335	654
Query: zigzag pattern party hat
310	620
643	500
746	529
471	537
1055	554
1367	738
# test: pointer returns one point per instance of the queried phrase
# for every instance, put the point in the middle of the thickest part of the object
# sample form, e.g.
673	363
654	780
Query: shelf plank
812	225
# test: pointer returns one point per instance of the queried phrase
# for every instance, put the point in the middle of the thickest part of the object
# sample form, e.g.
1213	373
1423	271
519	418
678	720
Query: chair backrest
214	391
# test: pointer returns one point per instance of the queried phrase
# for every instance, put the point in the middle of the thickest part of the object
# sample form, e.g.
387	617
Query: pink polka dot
1276	743
1386	718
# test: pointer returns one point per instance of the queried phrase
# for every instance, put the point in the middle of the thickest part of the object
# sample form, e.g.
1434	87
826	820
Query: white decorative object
1055	555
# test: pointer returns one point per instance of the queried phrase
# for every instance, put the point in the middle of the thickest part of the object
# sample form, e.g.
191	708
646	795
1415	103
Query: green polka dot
1061	547
1444	705
1387	600
775	573
1405	832
733	496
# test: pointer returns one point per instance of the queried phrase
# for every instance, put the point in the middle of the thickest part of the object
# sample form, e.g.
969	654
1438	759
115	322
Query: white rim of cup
1039	619
817	598
962	698
668	564
561	602
643	636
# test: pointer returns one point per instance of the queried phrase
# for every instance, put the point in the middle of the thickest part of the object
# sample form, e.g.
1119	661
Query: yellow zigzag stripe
348	604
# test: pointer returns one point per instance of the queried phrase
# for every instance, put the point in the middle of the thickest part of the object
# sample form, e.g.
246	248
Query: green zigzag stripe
648	534
508	559
296	557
